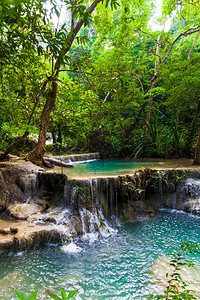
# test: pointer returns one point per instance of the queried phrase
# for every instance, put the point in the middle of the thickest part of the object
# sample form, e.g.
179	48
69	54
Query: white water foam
70	248
20	254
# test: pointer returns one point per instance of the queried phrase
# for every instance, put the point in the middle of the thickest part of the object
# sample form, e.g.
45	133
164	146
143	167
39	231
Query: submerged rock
162	267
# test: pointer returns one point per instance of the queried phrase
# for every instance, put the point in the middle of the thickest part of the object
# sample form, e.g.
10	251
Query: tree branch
189	55
185	33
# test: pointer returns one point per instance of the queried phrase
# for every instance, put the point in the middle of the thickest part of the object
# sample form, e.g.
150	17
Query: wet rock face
188	195
19	196
17	182
54	206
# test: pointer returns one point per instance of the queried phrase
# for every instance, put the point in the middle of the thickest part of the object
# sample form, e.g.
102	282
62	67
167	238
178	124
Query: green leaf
71	294
33	295
53	296
63	294
107	2
20	295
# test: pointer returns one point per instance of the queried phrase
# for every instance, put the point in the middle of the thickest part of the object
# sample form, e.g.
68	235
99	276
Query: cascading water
189	192
81	206
120	197
121	264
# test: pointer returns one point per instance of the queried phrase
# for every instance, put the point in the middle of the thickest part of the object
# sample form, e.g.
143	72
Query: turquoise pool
118	266
101	167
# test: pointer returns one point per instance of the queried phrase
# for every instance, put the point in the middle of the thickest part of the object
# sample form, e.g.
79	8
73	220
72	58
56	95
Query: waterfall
51	204
79	157
81	204
83	216
160	186
188	193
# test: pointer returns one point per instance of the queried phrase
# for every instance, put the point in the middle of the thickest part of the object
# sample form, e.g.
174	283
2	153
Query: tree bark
37	154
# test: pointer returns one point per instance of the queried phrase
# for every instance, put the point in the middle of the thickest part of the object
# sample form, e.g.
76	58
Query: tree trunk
188	144
197	153
36	155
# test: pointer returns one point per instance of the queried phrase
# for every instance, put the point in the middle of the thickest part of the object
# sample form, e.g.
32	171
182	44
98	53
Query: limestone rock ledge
52	205
24	235
17	182
18	197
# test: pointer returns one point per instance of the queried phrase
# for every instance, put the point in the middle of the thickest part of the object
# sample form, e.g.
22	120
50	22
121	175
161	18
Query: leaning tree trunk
36	155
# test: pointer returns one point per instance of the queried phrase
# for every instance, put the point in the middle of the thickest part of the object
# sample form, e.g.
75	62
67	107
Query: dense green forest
105	76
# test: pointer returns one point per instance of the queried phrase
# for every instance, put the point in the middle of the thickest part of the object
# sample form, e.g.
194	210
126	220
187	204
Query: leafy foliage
64	295
121	85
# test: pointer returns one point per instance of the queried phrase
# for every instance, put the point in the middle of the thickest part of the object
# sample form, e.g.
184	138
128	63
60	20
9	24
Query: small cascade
90	221
92	193
68	160
160	187
69	193
83	216
51	203
107	196
188	193
79	157
174	202
30	188
82	205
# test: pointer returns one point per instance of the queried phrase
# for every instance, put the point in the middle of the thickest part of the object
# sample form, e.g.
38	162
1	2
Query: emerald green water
102	167
117	267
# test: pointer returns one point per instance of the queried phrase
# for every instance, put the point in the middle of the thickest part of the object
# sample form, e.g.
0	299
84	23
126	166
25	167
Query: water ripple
115	268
